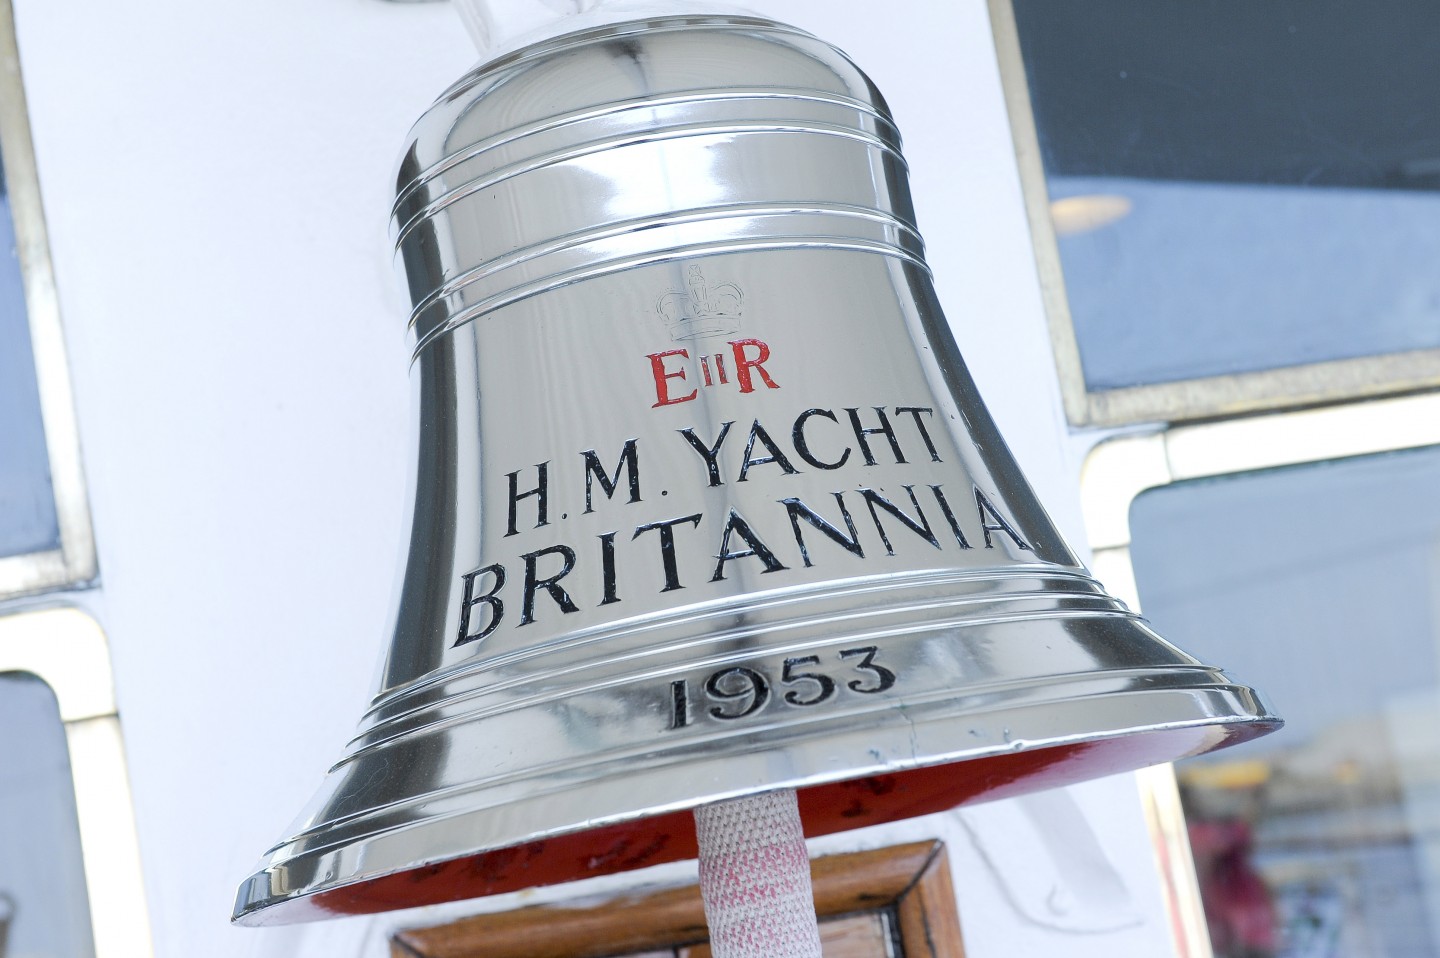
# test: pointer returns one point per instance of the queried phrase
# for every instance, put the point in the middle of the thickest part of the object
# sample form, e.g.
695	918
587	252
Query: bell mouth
333	881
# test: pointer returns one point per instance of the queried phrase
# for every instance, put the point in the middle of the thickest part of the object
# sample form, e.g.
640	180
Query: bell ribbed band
755	878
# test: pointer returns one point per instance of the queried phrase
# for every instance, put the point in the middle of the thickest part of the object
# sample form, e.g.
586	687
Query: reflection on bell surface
705	501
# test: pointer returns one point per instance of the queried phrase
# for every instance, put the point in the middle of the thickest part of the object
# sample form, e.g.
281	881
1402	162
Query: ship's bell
706	503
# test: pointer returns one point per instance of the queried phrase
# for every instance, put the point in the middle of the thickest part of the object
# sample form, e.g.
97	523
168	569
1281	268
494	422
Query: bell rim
1230	713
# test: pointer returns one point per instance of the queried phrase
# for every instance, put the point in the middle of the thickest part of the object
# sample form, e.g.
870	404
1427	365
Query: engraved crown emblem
700	309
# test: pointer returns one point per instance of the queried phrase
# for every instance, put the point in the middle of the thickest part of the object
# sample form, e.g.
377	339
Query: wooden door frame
913	880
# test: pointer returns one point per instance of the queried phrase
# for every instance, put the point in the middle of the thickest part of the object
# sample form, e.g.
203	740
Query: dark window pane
1240	185
42	877
1320	585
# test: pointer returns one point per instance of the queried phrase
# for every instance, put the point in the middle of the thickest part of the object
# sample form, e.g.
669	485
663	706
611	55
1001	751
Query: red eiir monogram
748	356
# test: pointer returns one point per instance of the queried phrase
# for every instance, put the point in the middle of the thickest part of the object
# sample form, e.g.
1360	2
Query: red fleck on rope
755	878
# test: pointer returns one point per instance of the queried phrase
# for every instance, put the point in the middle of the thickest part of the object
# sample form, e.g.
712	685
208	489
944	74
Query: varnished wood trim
861	881
625	924
929	922
914	879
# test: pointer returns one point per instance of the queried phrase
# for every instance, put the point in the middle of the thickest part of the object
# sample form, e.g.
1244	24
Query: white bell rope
755	878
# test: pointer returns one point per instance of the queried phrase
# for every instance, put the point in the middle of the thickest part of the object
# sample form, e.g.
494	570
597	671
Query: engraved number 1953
740	691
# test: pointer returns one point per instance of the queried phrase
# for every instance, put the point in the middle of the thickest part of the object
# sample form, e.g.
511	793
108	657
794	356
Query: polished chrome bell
706	503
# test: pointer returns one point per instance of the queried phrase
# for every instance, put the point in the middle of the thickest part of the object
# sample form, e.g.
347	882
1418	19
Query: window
1301	551
1318	583
42	873
72	796
1232	203
70	884
45	539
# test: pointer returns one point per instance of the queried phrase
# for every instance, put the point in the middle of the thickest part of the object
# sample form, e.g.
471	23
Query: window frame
66	649
73	563
1119	469
1207	397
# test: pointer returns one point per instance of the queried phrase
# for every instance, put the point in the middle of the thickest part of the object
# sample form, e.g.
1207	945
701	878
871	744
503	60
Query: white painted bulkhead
216	178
